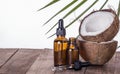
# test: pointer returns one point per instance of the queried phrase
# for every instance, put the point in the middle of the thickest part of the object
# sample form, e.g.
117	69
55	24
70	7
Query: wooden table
29	61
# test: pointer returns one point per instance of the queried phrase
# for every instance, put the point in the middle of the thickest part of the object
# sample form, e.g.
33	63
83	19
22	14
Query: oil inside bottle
72	53
60	48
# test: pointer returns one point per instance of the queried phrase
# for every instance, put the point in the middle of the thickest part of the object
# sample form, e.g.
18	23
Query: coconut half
99	26
97	53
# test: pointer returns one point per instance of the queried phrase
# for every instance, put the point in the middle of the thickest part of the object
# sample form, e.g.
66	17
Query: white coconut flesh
96	23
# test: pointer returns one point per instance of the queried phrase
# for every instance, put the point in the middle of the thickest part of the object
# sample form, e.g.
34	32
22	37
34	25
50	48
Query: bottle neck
60	36
72	46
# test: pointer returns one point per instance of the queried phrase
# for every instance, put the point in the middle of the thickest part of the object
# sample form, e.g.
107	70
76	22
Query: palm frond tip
67	6
82	13
103	4
76	7
52	2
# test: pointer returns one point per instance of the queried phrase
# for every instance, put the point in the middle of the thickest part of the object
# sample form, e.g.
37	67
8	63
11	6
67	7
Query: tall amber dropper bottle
60	47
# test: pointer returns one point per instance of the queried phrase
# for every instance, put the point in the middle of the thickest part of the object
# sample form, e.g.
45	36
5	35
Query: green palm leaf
104	4
86	11
82	13
78	16
51	28
52	2
100	9
76	7
118	47
51	35
67	6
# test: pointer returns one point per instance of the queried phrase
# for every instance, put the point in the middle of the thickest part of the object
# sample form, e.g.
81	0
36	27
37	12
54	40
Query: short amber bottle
60	47
72	52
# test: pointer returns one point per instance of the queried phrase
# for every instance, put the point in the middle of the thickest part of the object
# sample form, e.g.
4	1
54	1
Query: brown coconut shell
108	34
97	53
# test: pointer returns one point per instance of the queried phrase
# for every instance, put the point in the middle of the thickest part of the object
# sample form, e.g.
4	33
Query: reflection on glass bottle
60	47
72	52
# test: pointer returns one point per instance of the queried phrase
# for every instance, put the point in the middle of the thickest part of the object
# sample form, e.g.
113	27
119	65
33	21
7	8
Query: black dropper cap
78	65
60	30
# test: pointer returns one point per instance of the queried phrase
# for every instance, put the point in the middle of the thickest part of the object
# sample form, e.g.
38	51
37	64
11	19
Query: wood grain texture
72	72
5	55
20	62
117	64
82	71
28	61
94	70
108	68
43	64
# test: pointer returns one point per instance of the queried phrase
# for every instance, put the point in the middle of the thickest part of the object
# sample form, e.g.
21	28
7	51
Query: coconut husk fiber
97	53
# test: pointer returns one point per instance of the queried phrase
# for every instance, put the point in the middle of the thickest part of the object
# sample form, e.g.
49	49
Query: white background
21	24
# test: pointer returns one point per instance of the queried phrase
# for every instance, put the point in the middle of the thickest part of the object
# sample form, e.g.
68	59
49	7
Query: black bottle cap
61	30
78	65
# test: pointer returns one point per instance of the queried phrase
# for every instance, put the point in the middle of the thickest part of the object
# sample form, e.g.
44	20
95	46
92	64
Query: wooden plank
5	55
20	62
82	71
117	63
94	70
43	64
108	68
72	71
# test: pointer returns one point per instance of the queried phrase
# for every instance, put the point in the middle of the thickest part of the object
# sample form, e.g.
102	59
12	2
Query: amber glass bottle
72	52
60	47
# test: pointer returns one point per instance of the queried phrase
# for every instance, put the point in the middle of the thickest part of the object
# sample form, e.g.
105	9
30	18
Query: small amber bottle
60	47
72	53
